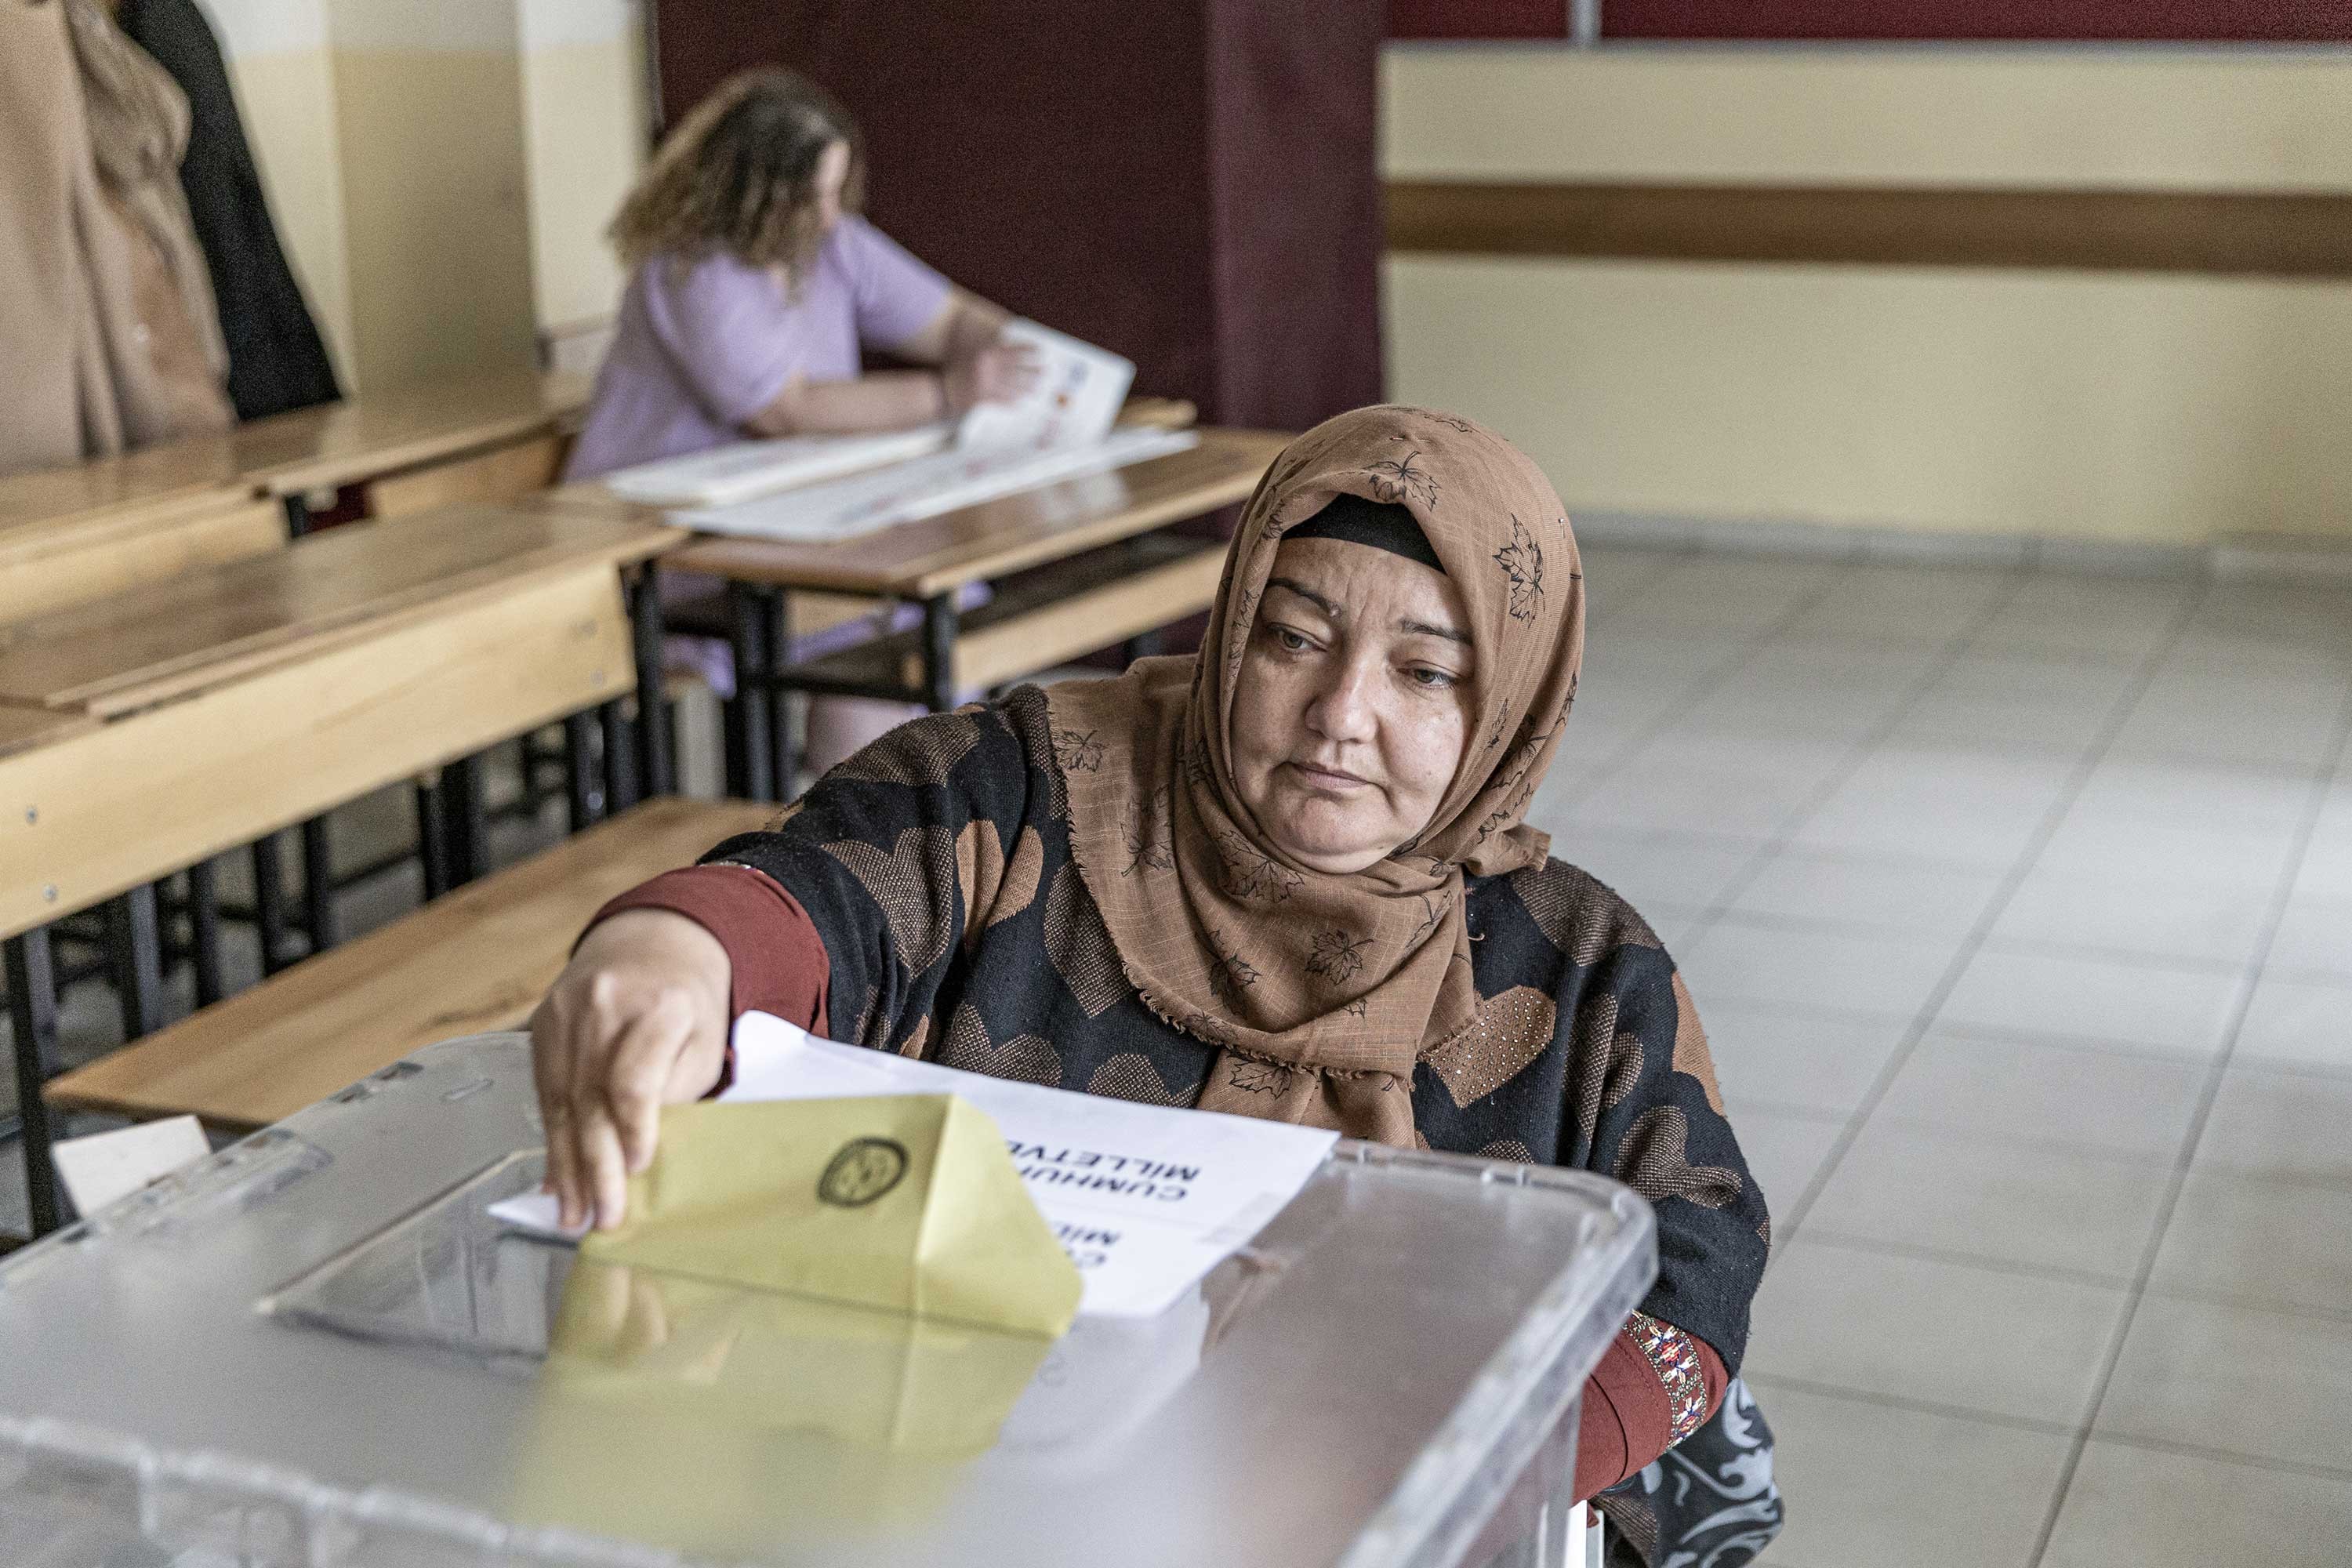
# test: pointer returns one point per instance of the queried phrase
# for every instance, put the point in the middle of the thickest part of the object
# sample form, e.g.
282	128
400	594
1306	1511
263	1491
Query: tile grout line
2321	778
1858	751
1705	686
2119	713
1770	1383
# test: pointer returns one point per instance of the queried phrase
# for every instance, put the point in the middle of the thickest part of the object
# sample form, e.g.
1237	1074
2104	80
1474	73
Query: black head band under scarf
1383	525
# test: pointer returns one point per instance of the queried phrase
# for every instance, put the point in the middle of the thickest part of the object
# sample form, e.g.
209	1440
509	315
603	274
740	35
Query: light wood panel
22	729
2284	235
479	958
179	479
85	818
992	654
134	649
934	555
382	433
74	567
499	475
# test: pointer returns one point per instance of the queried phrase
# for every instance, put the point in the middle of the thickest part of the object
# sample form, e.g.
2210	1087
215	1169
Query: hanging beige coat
107	322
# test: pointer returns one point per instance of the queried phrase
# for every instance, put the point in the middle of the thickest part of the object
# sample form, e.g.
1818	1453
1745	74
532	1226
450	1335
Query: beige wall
2158	409
285	83
442	170
585	119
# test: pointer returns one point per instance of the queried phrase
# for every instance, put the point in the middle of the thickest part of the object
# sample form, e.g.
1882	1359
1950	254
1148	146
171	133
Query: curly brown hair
739	175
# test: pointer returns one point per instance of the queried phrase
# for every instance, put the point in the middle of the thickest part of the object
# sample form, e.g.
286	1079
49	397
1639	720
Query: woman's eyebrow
1318	600
1448	632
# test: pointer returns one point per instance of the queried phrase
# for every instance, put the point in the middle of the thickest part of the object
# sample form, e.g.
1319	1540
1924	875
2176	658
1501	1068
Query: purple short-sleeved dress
701	346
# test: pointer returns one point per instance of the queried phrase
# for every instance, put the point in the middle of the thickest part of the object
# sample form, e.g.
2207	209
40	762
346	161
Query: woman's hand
636	1021
998	372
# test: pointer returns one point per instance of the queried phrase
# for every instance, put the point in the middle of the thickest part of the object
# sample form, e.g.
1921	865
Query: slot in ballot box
314	1350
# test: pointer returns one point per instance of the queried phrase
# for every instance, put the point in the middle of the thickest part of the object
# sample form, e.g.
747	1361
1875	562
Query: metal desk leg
938	651
318	885
432	838
269	901
620	757
584	794
749	754
33	1020
203	932
777	628
135	937
298	515
655	771
465	829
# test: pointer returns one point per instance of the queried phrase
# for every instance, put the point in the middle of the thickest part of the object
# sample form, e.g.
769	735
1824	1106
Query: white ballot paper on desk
924	487
1144	1199
1073	401
744	470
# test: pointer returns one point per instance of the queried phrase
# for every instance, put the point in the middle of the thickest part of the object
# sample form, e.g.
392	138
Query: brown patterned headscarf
1324	990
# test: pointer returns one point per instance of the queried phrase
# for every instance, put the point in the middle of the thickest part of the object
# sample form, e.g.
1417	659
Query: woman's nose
1343	710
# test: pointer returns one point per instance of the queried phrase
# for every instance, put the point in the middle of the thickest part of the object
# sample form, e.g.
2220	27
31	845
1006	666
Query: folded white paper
924	487
1073	401
742	471
1144	1199
105	1166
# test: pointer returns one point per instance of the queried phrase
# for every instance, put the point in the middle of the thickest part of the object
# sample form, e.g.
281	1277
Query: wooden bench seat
1050	617
479	959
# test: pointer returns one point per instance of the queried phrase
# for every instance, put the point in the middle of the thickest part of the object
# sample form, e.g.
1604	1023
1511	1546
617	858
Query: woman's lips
1334	779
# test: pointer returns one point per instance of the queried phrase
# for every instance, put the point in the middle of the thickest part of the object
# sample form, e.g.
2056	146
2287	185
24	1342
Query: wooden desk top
64	508
336	444
131	651
367	437
21	729
936	555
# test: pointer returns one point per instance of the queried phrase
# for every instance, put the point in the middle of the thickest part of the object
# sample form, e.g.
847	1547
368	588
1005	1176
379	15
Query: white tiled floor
2020	908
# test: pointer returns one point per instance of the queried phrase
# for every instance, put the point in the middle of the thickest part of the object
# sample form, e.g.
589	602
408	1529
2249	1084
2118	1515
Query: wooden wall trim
2228	233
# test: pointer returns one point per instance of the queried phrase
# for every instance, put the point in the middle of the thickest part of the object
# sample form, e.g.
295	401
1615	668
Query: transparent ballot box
314	1350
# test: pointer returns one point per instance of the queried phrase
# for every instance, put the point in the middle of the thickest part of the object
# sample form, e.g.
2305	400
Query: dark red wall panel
2251	21
1478	18
1191	184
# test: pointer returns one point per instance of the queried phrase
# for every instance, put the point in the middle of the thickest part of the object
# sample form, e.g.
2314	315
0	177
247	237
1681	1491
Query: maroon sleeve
777	961
1629	1416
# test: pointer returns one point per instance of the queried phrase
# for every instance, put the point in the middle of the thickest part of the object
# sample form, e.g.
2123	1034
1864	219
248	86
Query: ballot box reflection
317	1349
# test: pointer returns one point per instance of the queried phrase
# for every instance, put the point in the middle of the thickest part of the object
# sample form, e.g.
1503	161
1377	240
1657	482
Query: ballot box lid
314	1351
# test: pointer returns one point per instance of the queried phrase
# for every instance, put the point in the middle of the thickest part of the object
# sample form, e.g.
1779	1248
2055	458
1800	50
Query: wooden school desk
1131	581
199	714
379	435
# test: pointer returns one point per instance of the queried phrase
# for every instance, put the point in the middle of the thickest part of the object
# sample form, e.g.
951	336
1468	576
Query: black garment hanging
276	360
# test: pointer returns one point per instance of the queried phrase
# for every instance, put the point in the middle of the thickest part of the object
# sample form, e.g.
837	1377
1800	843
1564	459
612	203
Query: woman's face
832	176
1352	704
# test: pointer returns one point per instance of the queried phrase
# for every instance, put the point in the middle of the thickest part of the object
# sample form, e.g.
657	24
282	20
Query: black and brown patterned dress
936	869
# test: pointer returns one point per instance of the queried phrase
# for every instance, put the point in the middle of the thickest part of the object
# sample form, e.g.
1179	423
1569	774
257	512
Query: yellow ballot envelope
905	1203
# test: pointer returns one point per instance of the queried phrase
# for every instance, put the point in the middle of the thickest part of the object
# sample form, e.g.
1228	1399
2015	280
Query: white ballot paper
1073	401
1146	1199
924	487
742	470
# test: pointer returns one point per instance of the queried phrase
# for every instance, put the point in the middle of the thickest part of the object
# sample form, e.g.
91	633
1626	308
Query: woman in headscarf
1287	876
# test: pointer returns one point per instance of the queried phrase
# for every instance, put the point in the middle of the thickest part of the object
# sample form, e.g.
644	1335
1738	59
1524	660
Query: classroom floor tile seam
1857	754
1693	693
1766	1383
1966	950
2204	1296
2222	1456
1817	1235
2320	778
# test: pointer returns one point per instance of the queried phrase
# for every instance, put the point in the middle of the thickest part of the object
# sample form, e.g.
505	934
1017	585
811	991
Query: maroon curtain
1192	184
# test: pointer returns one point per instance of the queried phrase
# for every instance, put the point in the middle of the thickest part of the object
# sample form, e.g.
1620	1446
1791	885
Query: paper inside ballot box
903	1204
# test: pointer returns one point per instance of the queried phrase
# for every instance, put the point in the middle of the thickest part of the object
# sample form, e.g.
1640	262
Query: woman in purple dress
755	287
